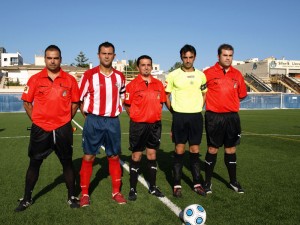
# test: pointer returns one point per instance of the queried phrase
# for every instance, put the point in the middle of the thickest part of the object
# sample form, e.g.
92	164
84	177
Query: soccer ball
194	215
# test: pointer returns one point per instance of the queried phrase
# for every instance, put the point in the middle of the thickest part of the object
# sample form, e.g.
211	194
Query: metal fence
12	102
271	101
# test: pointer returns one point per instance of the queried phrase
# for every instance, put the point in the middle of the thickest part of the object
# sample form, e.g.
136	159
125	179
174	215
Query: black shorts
42	142
222	129
187	127
144	135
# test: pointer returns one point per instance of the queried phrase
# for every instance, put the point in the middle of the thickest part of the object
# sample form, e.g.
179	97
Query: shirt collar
187	71
140	78
218	67
44	73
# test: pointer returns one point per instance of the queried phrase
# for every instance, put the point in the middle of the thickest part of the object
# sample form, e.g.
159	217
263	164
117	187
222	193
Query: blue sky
257	28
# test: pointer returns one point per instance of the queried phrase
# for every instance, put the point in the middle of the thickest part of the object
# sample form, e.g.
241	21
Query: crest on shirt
26	89
127	96
235	85
64	94
158	96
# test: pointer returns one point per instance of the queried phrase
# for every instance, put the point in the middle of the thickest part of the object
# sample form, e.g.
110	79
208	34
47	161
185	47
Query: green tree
131	65
13	83
176	66
81	60
131	68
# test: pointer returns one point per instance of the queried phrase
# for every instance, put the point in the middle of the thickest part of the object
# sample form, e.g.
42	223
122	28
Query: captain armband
203	87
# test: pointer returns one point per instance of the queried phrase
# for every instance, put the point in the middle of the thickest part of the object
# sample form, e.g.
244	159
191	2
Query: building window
14	61
5	59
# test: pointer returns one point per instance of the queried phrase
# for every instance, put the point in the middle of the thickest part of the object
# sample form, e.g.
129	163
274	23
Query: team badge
158	96
235	85
26	89
127	96
64	94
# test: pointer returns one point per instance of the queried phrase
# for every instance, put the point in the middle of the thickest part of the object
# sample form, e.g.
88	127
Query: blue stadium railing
12	102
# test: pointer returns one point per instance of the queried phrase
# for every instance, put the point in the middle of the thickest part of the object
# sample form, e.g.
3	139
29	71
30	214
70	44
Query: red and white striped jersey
102	95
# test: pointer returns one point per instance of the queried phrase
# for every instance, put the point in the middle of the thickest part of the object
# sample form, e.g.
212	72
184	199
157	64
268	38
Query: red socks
85	176
115	173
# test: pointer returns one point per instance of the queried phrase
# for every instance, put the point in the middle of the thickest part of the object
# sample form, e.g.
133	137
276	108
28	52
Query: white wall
39	60
22	75
6	59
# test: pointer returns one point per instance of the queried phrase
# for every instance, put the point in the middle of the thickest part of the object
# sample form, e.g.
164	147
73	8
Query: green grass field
268	169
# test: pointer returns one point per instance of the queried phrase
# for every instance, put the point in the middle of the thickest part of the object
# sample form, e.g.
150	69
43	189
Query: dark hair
52	48
187	48
225	47
143	57
106	45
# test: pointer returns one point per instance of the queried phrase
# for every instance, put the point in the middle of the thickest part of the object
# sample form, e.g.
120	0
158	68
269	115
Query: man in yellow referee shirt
186	88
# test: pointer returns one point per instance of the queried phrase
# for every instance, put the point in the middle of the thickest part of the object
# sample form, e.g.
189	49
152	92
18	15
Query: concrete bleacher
256	83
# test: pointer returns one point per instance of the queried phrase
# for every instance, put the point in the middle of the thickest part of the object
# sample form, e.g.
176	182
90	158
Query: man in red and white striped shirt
102	92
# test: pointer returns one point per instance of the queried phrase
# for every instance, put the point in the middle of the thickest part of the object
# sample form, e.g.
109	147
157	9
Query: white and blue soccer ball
194	214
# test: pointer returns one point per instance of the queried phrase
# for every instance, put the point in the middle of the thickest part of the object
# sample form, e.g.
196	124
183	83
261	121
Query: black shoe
24	204
177	191
207	188
154	190
73	202
132	195
236	187
199	189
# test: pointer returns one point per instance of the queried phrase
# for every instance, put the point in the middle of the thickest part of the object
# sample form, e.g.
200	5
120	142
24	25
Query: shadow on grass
165	162
100	174
2	129
49	187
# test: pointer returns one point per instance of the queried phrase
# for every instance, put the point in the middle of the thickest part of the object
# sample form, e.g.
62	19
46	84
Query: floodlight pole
125	66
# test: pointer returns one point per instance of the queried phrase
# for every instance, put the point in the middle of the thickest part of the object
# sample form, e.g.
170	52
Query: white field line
174	208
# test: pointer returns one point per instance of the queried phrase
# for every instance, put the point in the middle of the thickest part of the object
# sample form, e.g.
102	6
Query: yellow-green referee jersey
186	89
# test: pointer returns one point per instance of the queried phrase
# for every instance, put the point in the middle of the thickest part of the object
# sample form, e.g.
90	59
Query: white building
11	59
39	60
271	74
119	65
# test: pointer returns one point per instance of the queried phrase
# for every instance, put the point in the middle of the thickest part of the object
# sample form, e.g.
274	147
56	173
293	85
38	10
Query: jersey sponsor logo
127	96
26	89
191	76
